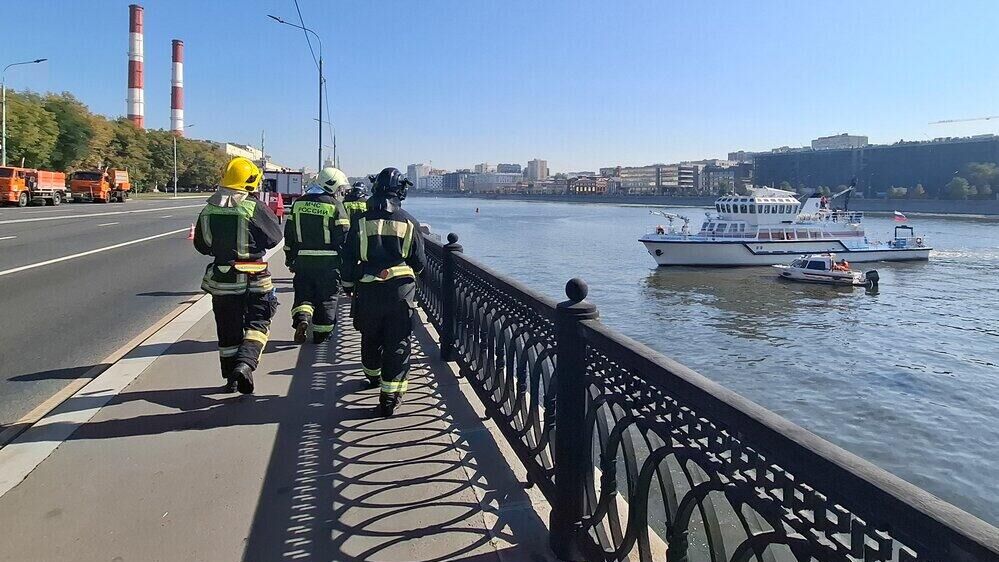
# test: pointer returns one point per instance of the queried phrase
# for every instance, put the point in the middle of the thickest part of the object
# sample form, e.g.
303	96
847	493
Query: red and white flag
899	217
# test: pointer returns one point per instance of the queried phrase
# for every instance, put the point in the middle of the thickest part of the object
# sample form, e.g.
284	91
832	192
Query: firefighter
314	233
355	200
236	229
383	255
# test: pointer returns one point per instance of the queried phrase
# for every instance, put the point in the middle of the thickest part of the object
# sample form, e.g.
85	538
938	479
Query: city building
454	182
581	174
842	140
484	168
877	168
509	168
415	171
431	183
491	182
588	185
741	156
726	175
537	170
232	150
655	179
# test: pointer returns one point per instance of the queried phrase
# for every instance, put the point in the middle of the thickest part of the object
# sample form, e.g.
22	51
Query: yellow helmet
240	173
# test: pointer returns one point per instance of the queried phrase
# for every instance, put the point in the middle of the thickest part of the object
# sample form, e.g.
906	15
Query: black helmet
390	181
357	191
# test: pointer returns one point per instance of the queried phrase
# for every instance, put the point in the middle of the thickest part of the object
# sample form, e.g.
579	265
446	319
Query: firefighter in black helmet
237	230
383	255
355	200
313	235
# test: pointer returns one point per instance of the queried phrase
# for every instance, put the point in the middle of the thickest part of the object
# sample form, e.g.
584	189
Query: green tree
75	129
785	186
918	192
980	173
99	145
32	131
958	188
724	187
985	191
897	192
130	151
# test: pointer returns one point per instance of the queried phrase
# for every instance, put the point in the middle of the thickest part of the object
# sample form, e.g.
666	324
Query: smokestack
136	104
177	90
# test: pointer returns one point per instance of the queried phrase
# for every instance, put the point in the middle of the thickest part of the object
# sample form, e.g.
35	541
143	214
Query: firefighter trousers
243	322
316	300
384	316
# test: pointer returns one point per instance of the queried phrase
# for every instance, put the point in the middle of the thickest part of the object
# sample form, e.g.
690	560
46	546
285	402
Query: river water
907	378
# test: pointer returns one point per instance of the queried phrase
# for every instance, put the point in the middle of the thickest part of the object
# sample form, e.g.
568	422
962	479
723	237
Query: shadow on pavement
69	373
170	294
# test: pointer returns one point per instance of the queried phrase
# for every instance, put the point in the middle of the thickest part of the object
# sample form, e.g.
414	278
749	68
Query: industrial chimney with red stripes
136	106
177	90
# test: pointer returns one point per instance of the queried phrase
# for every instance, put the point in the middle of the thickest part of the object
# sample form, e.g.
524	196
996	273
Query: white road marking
63	217
7	237
89	252
166	216
23	455
108	224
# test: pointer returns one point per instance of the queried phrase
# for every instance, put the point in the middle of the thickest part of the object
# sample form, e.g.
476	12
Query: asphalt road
59	317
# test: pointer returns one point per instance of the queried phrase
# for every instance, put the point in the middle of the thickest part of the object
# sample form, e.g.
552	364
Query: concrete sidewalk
170	470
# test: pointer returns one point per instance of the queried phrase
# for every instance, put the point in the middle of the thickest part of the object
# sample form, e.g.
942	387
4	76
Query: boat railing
637	453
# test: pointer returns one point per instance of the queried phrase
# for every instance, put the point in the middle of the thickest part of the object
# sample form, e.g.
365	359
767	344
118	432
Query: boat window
817	265
798	263
721	228
718	207
742	209
752	209
792	235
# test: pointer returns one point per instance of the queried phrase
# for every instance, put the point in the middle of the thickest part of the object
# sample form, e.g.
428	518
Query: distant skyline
580	84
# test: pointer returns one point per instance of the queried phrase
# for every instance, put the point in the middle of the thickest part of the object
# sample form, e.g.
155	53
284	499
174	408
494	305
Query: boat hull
755	253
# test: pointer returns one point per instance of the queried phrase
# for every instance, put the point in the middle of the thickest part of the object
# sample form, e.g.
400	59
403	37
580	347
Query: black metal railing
644	459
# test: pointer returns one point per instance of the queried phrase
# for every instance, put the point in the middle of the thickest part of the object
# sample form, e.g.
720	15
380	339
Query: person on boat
841	265
660	229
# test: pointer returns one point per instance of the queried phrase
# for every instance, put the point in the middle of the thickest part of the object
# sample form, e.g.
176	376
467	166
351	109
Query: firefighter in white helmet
314	234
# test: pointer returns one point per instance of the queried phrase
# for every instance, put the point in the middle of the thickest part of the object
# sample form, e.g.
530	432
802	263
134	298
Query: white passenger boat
769	227
825	269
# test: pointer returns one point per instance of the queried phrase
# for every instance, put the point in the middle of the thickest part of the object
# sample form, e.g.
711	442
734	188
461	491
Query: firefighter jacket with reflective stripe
316	227
383	244
242	232
354	208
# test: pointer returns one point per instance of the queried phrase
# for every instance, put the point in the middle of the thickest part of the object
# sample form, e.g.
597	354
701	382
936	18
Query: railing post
568	448
448	298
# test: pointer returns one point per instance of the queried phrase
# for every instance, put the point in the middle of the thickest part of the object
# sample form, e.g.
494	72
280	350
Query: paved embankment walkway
172	470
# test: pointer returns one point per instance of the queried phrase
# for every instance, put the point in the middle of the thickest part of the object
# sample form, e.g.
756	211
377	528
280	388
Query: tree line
58	132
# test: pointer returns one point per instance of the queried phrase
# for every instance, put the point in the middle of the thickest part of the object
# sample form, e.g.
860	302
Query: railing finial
452	238
576	289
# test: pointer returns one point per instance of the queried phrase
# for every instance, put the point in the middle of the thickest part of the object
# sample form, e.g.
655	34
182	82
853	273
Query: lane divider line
34	443
107	224
7	237
91	215
89	252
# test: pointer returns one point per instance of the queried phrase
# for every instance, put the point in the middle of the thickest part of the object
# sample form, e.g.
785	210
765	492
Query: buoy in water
476	209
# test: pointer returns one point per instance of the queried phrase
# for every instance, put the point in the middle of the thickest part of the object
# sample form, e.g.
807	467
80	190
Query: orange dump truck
21	186
102	186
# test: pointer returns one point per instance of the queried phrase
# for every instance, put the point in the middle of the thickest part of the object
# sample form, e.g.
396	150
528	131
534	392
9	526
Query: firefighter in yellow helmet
313	235
237	230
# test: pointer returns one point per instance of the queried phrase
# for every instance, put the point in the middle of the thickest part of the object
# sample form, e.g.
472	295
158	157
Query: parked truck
288	185
21	186
101	186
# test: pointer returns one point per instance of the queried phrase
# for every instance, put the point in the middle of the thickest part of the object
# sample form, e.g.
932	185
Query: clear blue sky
581	83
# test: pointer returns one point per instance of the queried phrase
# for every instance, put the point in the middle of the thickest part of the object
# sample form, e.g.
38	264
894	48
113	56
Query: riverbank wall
929	206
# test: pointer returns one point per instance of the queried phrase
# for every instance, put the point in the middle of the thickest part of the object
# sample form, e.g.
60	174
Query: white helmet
332	180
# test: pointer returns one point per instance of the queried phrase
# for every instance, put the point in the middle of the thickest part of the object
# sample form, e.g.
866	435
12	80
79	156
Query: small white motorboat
824	269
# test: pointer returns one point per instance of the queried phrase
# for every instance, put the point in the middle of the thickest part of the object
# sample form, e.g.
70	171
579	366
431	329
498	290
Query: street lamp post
3	84
175	161
316	35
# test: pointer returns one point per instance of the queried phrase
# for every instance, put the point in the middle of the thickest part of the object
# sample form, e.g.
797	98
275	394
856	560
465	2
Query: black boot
243	375
230	385
372	382
387	404
301	331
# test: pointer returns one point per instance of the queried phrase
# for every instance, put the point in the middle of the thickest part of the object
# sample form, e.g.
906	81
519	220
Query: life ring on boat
919	241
